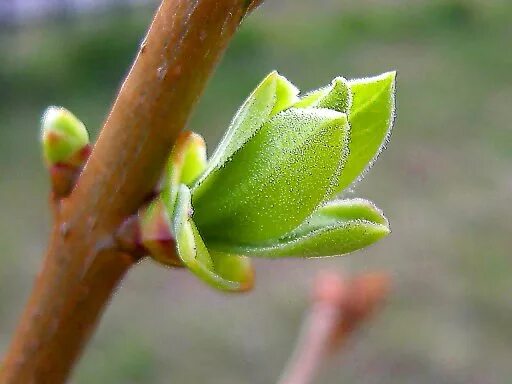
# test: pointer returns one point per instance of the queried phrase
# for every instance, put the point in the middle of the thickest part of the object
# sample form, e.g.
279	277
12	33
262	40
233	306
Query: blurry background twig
339	306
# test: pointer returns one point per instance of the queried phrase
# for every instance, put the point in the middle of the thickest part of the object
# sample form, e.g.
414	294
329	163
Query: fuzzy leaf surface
272	95
275	181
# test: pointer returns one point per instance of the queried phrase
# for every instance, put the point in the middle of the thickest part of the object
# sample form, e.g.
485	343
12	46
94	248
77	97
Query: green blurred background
445	182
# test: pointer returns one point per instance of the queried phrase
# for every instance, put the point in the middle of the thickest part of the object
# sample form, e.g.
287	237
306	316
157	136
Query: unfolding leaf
272	95
275	180
371	119
340	227
342	210
220	270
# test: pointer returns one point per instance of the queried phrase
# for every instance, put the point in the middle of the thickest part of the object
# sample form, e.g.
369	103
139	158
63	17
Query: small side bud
194	158
186	163
64	137
128	236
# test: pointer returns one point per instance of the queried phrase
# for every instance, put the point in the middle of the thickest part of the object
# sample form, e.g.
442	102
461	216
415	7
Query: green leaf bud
265	192
64	138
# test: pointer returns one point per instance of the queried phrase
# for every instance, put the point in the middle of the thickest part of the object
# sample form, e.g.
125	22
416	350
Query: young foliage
270	188
336	228
371	118
275	180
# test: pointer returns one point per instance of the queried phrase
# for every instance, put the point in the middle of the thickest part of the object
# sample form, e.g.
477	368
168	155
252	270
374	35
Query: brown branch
254	4
339	307
82	266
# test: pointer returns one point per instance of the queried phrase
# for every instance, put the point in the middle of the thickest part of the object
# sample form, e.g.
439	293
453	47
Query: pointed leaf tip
353	209
251	116
336	96
273	95
286	94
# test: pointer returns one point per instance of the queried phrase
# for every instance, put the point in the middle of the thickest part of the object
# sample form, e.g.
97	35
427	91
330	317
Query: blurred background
445	182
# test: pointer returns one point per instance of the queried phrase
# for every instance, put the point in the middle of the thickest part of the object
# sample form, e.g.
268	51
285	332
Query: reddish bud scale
53	138
156	235
64	176
128	236
82	155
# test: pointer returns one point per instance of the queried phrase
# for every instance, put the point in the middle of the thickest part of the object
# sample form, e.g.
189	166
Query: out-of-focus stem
339	307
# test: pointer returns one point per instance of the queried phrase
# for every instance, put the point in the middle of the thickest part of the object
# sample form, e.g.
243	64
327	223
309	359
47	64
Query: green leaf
249	118
337	96
339	210
186	163
220	270
352	209
272	95
286	95
275	180
337	228
63	137
371	119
